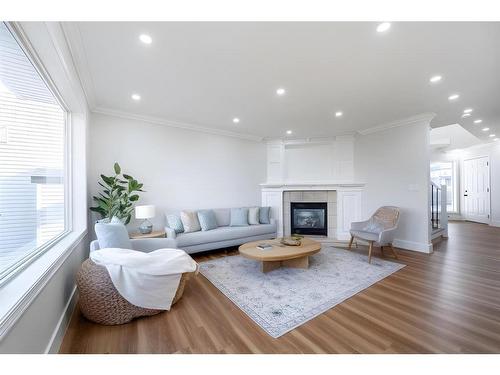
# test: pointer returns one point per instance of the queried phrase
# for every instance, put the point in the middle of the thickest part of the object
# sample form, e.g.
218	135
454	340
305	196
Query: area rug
285	298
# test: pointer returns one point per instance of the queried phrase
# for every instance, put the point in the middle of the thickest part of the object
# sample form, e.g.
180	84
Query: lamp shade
145	212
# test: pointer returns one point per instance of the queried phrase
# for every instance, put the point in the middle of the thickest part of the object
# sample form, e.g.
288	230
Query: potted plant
118	196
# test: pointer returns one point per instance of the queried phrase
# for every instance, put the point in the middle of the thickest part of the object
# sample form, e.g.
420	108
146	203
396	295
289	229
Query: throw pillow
207	219
112	234
265	215
253	215
175	223
239	217
190	221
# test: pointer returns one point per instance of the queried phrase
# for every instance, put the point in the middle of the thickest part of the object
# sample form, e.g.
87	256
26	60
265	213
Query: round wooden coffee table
281	255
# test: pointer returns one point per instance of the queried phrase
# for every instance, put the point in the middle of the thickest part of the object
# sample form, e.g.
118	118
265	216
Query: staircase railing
439	213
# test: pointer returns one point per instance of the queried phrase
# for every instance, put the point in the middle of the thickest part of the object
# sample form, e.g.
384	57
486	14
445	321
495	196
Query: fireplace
309	218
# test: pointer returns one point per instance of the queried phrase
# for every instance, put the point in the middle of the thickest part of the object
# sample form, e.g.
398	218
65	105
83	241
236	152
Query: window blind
32	136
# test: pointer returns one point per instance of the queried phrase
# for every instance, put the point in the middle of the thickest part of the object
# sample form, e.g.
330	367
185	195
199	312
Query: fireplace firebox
309	218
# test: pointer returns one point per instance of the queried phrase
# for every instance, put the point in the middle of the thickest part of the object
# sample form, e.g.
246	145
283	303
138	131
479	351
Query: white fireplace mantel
349	198
311	185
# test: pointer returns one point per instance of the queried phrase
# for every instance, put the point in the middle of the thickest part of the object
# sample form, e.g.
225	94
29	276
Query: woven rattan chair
100	302
379	230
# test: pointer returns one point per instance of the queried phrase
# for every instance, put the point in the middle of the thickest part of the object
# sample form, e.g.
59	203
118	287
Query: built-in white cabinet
349	203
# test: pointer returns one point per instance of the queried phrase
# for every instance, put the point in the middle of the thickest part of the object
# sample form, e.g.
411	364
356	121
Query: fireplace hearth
309	218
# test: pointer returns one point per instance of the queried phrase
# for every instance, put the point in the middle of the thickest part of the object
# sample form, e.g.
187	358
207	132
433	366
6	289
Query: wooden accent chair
379	230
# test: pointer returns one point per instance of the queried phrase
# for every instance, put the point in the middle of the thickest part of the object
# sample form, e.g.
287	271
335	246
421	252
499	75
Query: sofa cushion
207	219
174	222
265	215
113	234
223	234
253	215
222	216
190	221
239	217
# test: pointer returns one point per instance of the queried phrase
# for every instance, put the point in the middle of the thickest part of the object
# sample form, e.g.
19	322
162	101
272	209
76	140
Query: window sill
18	293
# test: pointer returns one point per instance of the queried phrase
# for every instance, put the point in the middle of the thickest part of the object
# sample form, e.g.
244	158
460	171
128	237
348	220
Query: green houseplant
118	196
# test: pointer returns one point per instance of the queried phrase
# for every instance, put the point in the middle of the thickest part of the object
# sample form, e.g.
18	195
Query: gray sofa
223	236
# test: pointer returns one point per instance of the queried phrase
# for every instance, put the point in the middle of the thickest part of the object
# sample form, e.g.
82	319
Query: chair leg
370	252
393	251
350	242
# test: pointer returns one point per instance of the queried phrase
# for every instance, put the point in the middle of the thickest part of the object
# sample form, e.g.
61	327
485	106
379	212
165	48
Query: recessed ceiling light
145	38
466	115
384	26
478	121
236	120
453	97
288	132
468	110
485	129
281	91
338	114
435	79
493	135
496	139
136	97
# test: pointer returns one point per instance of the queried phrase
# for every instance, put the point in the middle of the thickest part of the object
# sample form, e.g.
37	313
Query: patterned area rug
285	298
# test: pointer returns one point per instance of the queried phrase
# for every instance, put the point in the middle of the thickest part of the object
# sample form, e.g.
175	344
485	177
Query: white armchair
379	229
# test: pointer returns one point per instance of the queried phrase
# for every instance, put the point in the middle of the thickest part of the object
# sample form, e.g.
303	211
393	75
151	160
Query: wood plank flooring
446	302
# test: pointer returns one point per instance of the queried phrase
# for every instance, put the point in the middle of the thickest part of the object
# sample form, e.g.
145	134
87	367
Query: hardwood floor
446	302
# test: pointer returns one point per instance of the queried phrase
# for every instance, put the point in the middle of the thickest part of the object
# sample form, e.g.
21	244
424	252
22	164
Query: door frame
462	189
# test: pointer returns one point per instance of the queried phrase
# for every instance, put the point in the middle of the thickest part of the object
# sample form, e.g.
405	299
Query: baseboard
415	246
58	335
495	223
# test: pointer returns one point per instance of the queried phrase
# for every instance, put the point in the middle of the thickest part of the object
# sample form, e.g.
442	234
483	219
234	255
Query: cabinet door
274	199
348	210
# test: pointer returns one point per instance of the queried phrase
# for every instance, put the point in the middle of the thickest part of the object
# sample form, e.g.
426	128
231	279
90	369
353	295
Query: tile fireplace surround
344	204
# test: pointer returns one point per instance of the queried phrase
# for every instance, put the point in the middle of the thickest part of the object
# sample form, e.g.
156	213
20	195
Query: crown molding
424	117
175	124
80	61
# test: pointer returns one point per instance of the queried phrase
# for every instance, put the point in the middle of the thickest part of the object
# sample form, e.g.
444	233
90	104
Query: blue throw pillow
113	234
239	217
265	215
175	223
207	219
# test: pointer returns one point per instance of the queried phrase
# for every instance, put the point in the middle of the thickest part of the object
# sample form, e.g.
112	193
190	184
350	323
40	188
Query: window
32	159
445	174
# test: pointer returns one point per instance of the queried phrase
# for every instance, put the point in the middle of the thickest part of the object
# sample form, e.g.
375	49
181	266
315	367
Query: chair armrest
387	236
359	225
170	233
150	244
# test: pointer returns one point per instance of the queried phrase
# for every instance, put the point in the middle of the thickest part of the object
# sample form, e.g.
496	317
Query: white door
476	189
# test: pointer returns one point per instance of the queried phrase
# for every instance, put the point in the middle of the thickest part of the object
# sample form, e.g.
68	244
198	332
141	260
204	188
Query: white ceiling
452	137
205	74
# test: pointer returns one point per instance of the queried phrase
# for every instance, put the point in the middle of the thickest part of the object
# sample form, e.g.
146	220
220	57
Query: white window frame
25	261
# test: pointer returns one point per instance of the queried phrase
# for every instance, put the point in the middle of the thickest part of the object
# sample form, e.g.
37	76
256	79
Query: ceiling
452	137
205	74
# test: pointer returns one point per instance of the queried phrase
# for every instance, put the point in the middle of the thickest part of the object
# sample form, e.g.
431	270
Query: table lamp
145	212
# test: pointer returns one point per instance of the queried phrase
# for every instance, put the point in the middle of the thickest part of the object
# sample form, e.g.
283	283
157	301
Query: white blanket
148	280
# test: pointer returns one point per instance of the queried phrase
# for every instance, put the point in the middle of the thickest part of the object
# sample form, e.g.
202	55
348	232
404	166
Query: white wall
311	160
180	169
394	164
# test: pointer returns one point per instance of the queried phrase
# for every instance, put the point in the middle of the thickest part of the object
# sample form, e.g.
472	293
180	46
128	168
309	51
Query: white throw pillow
253	215
190	221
